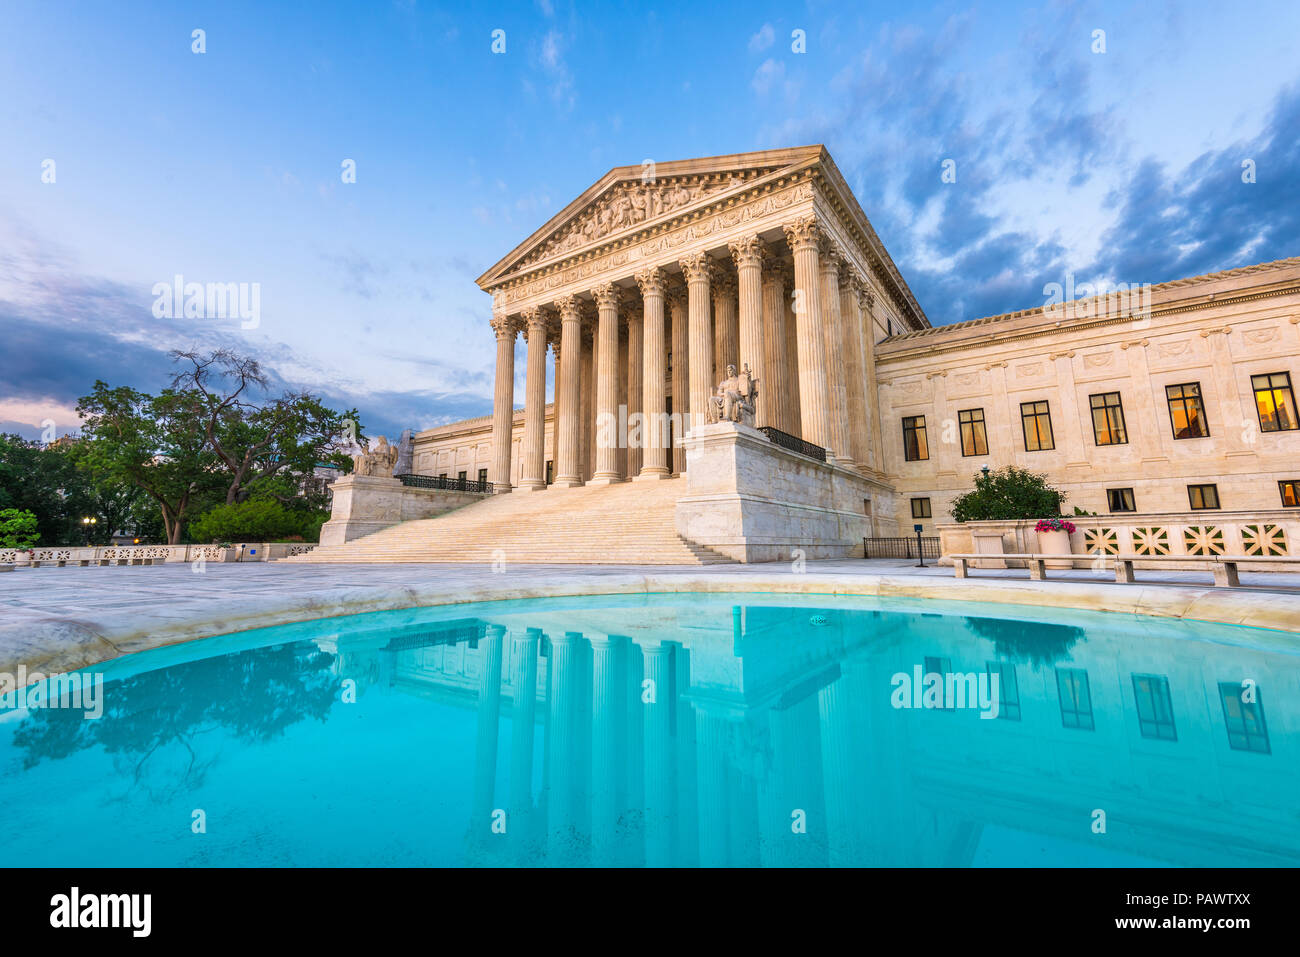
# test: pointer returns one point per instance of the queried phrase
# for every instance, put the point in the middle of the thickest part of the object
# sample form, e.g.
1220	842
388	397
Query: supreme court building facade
1170	398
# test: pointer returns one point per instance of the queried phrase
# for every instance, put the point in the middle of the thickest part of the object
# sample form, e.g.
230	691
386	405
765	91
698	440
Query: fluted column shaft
700	344
748	254
535	402
654	457
726	321
503	402
606	738
568	395
681	378
562	786
856	374
814	409
776	381
634	385
587	416
711	771
660	779
607	300
522	723
837	392
793	413
866	302
489	713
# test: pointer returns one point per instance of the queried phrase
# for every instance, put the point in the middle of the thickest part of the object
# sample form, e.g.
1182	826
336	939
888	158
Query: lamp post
88	523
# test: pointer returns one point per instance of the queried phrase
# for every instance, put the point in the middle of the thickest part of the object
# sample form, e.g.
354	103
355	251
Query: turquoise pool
675	730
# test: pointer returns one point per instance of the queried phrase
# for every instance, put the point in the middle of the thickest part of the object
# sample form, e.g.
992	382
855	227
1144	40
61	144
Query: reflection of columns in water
711	771
489	711
687	799
607	706
660	779
565	677
796	763
632	668
842	748
521	731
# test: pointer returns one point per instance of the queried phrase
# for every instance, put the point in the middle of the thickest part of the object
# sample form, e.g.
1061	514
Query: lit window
1290	489
1275	402
1244	718
1076	698
1186	411
974	440
1036	419
1203	496
1120	500
1108	419
920	508
915	447
1154	707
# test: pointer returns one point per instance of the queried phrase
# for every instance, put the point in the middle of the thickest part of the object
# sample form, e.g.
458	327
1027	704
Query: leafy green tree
154	443
257	520
17	528
260	441
1008	493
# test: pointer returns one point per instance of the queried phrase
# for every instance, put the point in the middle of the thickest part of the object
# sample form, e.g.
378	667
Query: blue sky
225	166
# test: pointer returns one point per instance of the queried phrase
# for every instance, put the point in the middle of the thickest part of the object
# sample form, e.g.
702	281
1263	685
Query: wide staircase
626	524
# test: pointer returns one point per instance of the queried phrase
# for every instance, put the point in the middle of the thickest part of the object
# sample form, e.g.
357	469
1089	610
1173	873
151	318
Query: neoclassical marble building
1170	397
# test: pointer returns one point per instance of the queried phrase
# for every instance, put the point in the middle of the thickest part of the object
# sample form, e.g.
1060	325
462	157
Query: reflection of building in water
719	740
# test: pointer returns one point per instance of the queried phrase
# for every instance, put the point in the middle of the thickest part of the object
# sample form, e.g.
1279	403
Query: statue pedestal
757	502
364	504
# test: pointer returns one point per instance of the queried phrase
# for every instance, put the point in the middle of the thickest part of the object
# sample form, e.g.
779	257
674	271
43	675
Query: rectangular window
1245	719
941	667
482	474
1008	689
1108	419
920	508
1275	402
1186	411
1203	496
1290	489
1076	698
550	471
460	476
1154	707
1120	500
915	447
1036	420
443	475
974	440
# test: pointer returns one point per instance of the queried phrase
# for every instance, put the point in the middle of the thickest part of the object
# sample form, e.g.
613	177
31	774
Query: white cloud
772	72
763	39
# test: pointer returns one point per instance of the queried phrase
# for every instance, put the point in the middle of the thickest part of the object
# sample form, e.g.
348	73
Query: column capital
652	282
803	233
866	296
697	267
675	295
506	327
724	283
748	251
570	308
607	295
830	258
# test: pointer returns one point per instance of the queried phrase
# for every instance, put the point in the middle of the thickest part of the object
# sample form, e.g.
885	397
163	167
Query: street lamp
88	523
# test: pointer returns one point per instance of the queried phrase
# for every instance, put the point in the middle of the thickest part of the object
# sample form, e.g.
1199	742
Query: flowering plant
1054	525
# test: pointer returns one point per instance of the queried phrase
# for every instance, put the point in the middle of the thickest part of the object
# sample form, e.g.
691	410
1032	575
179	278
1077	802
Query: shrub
17	528
257	521
1008	493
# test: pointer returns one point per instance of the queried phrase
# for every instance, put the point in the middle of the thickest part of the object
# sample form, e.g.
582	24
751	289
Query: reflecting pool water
674	730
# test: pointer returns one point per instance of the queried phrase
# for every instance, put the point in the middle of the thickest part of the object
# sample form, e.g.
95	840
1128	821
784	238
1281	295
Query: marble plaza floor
59	619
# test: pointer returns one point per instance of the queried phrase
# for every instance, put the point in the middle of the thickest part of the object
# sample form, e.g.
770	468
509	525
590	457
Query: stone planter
23	559
988	542
1055	543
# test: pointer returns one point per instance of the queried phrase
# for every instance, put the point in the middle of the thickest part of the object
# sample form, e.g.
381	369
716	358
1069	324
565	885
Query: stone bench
1224	567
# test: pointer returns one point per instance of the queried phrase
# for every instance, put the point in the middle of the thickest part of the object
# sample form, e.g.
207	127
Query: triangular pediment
631	198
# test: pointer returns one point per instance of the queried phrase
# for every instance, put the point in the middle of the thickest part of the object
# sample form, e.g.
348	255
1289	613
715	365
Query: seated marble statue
735	397
377	462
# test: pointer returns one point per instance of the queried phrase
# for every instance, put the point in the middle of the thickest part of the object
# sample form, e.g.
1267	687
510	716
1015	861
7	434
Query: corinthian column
568	396
654	462
775	386
851	316
697	268
681	375
503	401
836	379
607	302
535	402
633	385
803	235
726	332
748	254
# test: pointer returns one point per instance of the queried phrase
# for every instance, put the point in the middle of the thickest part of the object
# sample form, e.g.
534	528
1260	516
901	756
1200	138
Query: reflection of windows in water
942	667
1076	698
1008	689
1154	707
1245	720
